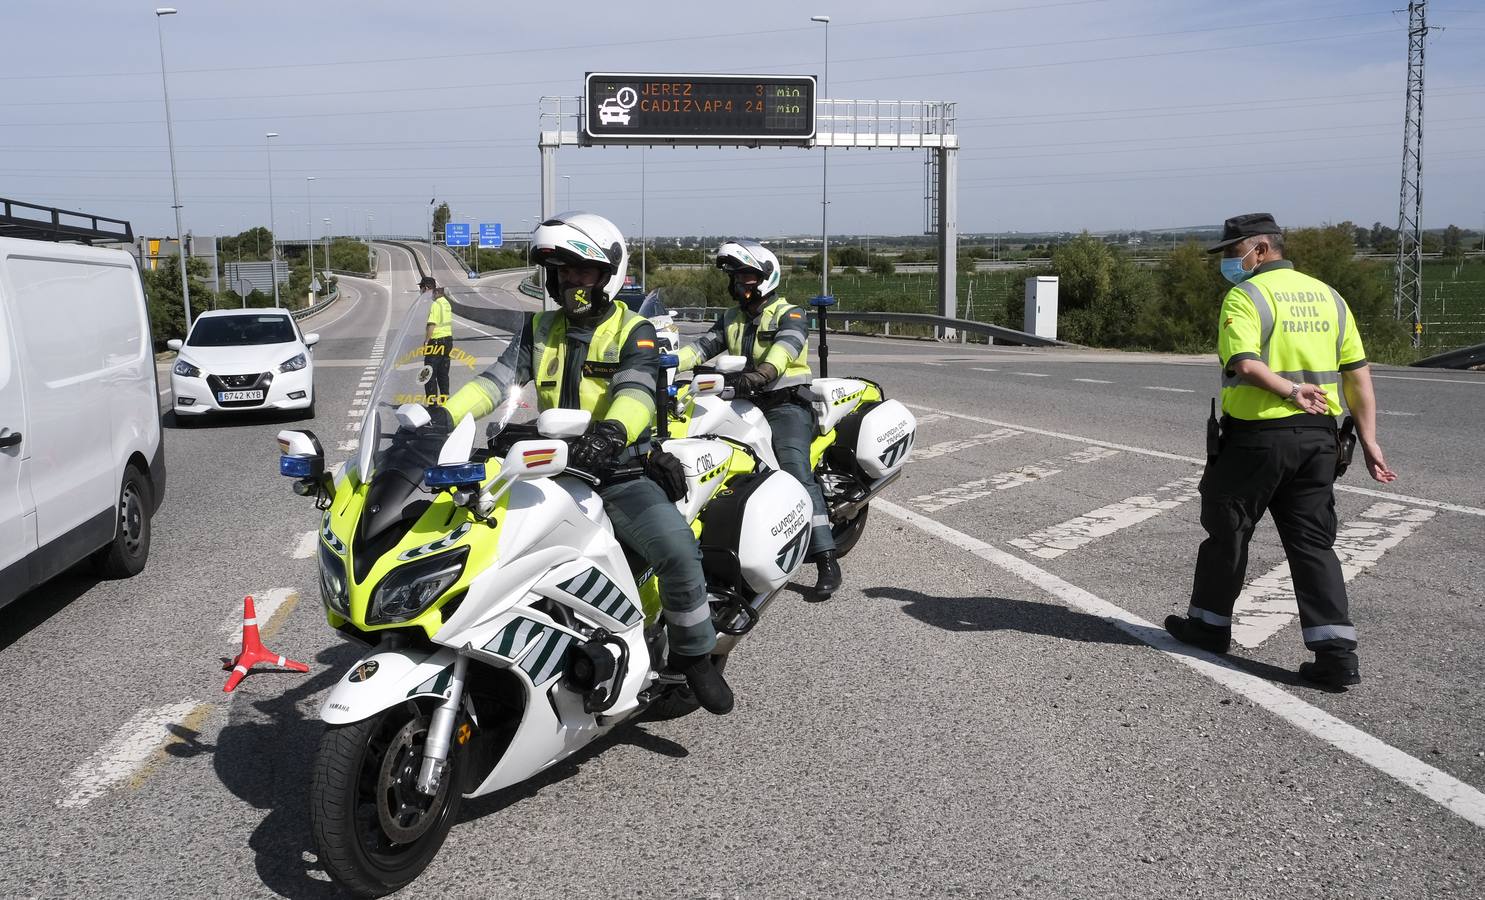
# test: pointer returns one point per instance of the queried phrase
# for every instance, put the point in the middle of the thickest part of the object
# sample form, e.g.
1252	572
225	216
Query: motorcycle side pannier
754	533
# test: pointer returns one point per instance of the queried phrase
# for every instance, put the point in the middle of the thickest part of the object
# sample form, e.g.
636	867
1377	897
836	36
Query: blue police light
454	476
669	360
300	466
823	300
673	390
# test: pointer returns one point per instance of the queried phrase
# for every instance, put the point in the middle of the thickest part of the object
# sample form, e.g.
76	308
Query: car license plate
229	396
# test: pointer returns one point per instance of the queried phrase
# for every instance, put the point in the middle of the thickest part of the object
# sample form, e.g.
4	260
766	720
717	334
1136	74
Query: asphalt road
979	712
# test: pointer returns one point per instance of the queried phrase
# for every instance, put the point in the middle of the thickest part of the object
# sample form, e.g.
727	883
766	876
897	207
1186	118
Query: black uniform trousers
1289	471
438	361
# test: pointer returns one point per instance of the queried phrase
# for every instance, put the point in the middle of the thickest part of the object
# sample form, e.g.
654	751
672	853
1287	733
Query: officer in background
773	335
438	339
1288	345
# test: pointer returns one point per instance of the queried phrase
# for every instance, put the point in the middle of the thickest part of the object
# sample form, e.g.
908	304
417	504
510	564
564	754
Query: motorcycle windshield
427	372
653	306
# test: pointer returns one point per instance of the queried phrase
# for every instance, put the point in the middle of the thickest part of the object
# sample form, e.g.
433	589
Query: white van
82	463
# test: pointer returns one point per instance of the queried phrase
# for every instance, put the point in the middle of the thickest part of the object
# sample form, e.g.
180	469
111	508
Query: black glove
596	452
666	470
746	384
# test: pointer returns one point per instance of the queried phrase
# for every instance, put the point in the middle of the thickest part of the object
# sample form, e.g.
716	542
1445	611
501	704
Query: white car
248	359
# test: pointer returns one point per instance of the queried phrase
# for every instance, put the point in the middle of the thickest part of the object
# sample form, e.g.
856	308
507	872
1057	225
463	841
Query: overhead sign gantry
647	109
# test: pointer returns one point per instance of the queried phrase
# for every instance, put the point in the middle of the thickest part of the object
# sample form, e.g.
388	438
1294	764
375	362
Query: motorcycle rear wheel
373	830
847	533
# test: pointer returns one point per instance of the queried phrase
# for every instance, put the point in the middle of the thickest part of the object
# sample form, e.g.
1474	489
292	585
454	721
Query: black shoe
1332	671
706	682
1199	634
829	579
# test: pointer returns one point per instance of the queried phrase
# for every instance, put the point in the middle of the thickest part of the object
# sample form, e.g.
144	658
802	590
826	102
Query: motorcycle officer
593	353
773	335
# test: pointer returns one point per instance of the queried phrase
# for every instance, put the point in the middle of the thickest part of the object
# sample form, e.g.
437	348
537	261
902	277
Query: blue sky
1072	114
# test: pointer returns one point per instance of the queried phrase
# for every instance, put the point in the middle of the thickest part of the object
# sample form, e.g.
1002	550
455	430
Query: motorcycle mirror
707	385
728	364
460	443
175	344
563	423
300	454
534	459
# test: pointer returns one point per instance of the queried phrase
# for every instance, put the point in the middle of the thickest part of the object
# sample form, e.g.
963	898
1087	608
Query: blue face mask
1233	271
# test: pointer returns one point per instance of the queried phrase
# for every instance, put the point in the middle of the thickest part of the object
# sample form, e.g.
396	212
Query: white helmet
574	237
747	255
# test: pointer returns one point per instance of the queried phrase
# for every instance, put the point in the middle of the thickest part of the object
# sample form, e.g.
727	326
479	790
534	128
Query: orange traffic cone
253	651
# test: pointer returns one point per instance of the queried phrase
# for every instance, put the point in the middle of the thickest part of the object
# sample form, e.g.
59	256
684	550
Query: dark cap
1240	228
427	282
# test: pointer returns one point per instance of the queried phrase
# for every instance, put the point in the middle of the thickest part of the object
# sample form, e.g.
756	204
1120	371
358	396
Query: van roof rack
47	223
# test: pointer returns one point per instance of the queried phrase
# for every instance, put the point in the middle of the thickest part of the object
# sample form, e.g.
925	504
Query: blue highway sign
456	234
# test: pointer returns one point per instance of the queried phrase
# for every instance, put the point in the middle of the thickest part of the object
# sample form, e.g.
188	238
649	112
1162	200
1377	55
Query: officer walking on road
438	339
1288	344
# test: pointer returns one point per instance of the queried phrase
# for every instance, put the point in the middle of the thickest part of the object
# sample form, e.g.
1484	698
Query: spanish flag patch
650	344
795	315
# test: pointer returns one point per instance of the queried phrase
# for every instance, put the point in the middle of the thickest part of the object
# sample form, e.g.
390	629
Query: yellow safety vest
441	317
548	358
793	370
1299	327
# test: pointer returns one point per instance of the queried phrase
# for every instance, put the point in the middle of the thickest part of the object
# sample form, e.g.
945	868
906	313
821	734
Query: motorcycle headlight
333	590
185	369
409	590
293	365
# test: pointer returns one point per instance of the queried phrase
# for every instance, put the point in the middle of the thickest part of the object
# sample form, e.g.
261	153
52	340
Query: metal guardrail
1463	358
311	310
843	320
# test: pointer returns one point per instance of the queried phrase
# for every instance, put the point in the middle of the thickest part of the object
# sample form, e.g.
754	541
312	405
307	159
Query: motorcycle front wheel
374	831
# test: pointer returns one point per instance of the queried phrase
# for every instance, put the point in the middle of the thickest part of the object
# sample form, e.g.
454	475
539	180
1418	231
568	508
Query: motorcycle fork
441	731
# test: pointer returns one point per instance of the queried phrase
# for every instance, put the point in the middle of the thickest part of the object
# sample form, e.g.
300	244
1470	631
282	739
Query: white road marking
364	393
1033	374
305	547
1169	390
1394	412
265	604
1440	787
128	748
943	448
1436	380
353	426
984	487
978	369
359	401
347	445
931	417
1267	603
1161	454
1052	542
1092	381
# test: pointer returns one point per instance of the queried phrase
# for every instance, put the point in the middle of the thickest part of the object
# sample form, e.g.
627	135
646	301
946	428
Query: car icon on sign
615	110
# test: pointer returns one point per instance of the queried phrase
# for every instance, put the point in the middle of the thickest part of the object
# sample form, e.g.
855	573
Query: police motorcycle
862	440
508	628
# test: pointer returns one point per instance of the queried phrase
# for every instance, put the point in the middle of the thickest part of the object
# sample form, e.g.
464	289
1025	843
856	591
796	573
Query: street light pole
643	241
824	172
568	179
326	220
180	235
272	229
309	226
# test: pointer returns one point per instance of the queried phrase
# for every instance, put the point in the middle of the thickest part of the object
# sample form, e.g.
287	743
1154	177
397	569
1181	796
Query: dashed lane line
978	369
1440	787
1055	540
1033	374
984	487
944	448
1169	390
1267	603
1092	381
1161	454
